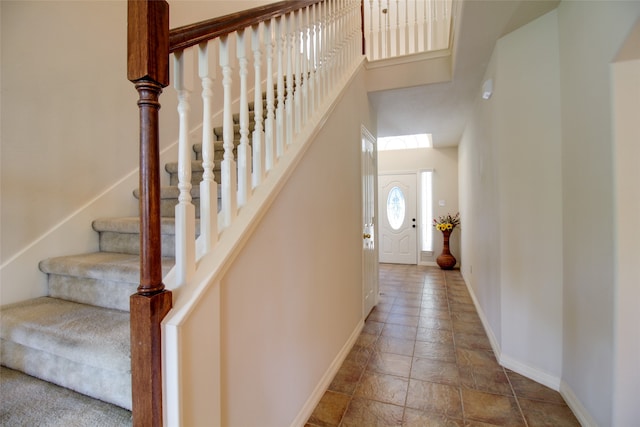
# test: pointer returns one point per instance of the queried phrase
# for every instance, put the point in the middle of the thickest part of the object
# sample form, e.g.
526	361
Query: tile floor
423	359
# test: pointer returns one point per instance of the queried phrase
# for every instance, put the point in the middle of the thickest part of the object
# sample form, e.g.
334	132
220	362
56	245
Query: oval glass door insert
396	208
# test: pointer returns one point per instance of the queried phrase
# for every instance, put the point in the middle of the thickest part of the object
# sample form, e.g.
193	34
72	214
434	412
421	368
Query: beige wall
444	163
69	133
293	297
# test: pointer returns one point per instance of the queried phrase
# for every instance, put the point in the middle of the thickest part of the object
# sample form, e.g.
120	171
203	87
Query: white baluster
313	58
258	132
306	55
358	34
244	150
228	166
328	46
387	35
184	211
406	27
322	51
397	30
297	70
288	105
335	44
269	126
208	186
428	22
280	40
416	48
371	45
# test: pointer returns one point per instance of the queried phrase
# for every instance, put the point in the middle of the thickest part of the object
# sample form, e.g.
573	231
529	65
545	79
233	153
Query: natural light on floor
405	142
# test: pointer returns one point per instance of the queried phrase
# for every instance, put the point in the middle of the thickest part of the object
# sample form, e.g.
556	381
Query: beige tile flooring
423	359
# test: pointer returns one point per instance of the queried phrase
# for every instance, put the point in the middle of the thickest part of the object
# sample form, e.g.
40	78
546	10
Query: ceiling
442	109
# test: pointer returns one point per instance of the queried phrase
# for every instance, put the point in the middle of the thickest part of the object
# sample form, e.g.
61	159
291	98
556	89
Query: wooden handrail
193	34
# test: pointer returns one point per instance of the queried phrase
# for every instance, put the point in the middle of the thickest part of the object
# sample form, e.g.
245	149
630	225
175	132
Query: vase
445	260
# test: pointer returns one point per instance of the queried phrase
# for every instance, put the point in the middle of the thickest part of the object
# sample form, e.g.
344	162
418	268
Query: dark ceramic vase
445	260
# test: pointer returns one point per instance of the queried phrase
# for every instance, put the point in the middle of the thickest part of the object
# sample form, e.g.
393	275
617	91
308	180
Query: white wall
590	35
537	159
478	169
627	203
510	155
527	120
444	162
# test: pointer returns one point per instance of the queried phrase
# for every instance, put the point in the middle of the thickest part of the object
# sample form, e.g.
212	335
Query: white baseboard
534	374
537	375
507	361
576	406
326	379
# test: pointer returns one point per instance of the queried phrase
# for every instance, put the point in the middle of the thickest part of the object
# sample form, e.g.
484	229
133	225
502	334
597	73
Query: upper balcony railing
402	27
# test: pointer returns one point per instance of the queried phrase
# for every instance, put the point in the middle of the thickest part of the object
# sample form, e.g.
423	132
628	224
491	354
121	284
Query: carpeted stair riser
169	196
101	279
77	346
122	235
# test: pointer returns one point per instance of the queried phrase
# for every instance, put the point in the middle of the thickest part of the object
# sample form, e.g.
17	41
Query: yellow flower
449	227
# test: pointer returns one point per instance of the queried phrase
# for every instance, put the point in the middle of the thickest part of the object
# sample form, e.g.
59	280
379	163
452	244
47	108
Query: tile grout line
455	347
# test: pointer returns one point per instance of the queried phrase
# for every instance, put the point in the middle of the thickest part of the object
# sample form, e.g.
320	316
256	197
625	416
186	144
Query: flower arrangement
447	222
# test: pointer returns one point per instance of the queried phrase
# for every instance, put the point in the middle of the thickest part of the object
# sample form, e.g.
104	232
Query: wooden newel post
148	69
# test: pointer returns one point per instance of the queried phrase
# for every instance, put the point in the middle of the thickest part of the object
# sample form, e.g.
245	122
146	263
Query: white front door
369	250
398	219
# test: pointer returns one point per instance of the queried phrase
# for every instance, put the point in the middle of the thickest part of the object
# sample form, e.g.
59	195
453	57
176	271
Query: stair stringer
197	305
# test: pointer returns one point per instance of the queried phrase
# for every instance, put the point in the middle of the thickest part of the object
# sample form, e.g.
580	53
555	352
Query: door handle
366	236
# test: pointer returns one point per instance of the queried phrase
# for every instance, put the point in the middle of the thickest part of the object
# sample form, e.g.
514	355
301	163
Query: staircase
76	339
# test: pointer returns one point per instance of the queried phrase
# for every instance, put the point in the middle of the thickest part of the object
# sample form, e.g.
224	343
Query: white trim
534	374
325	381
507	361
576	406
537	375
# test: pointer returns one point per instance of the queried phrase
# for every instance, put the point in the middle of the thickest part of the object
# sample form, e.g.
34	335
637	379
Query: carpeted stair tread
172	191
100	265
83	333
131	225
29	401
172	167
77	346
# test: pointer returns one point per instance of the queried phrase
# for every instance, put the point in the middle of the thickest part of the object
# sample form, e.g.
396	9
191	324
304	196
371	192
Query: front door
398	219
369	251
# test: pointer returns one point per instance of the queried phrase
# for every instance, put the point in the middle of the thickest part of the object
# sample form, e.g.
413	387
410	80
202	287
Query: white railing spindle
313	58
290	40
269	125
297	70
280	89
208	186
244	150
228	167
259	156
184	211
